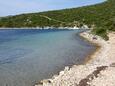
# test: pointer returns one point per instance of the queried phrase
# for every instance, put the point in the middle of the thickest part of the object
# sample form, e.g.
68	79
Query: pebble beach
99	70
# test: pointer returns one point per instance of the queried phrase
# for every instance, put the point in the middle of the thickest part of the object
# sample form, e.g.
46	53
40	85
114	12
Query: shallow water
27	56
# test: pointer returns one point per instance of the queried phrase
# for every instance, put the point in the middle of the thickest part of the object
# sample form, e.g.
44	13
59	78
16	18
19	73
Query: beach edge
77	73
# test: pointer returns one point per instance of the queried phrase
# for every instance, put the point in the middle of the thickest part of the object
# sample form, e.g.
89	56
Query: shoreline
85	27
98	47
91	72
90	56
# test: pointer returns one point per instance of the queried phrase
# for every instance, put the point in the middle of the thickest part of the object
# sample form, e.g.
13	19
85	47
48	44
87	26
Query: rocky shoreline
47	27
98	71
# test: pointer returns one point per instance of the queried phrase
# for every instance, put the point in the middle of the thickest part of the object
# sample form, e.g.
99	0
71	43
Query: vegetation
100	16
101	32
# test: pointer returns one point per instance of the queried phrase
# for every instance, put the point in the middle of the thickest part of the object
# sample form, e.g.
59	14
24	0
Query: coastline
92	71
97	45
47	27
90	56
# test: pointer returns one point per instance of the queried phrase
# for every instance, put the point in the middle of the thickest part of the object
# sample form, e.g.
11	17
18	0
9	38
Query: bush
101	31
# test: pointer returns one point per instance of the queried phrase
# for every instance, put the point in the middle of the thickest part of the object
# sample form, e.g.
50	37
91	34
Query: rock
61	73
66	69
112	65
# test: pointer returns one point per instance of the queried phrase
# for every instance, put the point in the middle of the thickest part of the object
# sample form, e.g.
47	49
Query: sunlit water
28	56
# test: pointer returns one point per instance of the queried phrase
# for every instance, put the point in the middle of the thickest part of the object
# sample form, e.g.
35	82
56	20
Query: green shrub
101	31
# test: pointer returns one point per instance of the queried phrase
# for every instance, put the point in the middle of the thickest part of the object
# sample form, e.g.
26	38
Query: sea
30	55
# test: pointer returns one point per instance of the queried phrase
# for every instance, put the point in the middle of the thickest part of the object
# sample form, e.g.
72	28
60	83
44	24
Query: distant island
100	17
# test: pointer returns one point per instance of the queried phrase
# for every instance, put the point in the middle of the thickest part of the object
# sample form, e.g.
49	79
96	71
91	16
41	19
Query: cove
28	56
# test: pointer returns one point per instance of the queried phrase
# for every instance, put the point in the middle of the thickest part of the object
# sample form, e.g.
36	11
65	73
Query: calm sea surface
27	56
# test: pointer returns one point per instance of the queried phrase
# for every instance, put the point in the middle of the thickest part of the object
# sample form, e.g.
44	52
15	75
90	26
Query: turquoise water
28	56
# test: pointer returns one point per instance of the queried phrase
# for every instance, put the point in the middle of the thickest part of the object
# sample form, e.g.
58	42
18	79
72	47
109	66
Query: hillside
100	16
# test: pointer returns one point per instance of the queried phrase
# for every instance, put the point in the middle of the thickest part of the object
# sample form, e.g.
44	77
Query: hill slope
100	16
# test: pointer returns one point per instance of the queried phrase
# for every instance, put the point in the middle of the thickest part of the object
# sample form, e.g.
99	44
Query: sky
13	7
